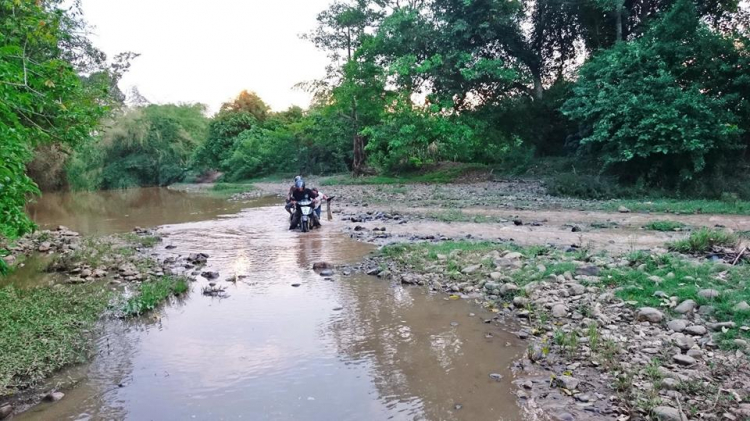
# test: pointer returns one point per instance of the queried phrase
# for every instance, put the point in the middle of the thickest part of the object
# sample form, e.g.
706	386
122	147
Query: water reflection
349	349
107	212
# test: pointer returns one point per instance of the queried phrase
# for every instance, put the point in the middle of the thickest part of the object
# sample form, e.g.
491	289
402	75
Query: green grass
152	293
703	241
441	176
682	206
665	226
686	280
44	330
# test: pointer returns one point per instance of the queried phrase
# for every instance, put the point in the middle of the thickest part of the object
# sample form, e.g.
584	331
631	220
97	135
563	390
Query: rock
740	343
563	416
694	353
442	257
559	310
517	222
575	228
322	265
623	209
296	285
470	269
385	274
209	274
685	307
568	382
684	360
522	334
650	314
721	325
373	271
741	307
54	396
677	325
457	406
508	288
44	247
682	341
489	286
576	289
513	256
496	276
655	279
496	377
667	413
708	293
670	383
588	271
5	411
519	301
696	330
86	273
326	272
528	385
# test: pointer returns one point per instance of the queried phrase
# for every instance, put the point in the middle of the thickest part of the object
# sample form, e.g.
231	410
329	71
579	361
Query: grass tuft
703	241
665	226
154	292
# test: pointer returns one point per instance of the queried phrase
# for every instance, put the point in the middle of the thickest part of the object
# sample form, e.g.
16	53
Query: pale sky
207	51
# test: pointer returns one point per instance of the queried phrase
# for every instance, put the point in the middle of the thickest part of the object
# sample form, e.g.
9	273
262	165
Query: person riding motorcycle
301	193
289	205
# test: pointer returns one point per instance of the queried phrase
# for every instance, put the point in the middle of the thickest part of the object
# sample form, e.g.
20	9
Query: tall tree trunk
358	164
619	6
538	87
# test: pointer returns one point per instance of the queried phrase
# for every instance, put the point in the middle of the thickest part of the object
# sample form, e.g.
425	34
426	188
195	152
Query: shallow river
355	348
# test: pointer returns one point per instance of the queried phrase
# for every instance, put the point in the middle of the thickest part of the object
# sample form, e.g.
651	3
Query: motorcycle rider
289	205
300	193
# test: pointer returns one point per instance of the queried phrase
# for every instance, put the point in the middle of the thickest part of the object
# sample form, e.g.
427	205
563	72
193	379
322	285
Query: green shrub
664	226
153	292
703	241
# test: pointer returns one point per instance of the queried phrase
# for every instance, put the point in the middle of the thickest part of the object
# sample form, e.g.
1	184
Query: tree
247	102
42	97
668	106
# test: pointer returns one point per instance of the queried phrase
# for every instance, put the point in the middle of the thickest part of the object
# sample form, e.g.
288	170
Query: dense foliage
668	106
143	146
43	98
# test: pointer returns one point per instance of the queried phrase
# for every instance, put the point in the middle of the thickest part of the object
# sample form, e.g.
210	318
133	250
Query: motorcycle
305	213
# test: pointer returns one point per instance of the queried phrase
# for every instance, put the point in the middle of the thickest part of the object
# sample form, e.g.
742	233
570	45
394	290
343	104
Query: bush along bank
50	322
644	335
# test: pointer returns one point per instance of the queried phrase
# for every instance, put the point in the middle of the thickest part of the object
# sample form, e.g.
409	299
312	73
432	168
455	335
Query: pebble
458	407
568	382
742	306
496	377
54	396
338	308
667	413
686	306
470	269
559	310
519	301
650	314
296	285
684	360
677	325
326	272
454	324
623	209
708	293
696	330
5	411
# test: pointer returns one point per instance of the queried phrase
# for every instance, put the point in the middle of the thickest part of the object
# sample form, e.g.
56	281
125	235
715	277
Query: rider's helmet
300	184
297	178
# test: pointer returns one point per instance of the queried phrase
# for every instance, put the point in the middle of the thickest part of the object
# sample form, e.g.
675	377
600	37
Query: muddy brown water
353	348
